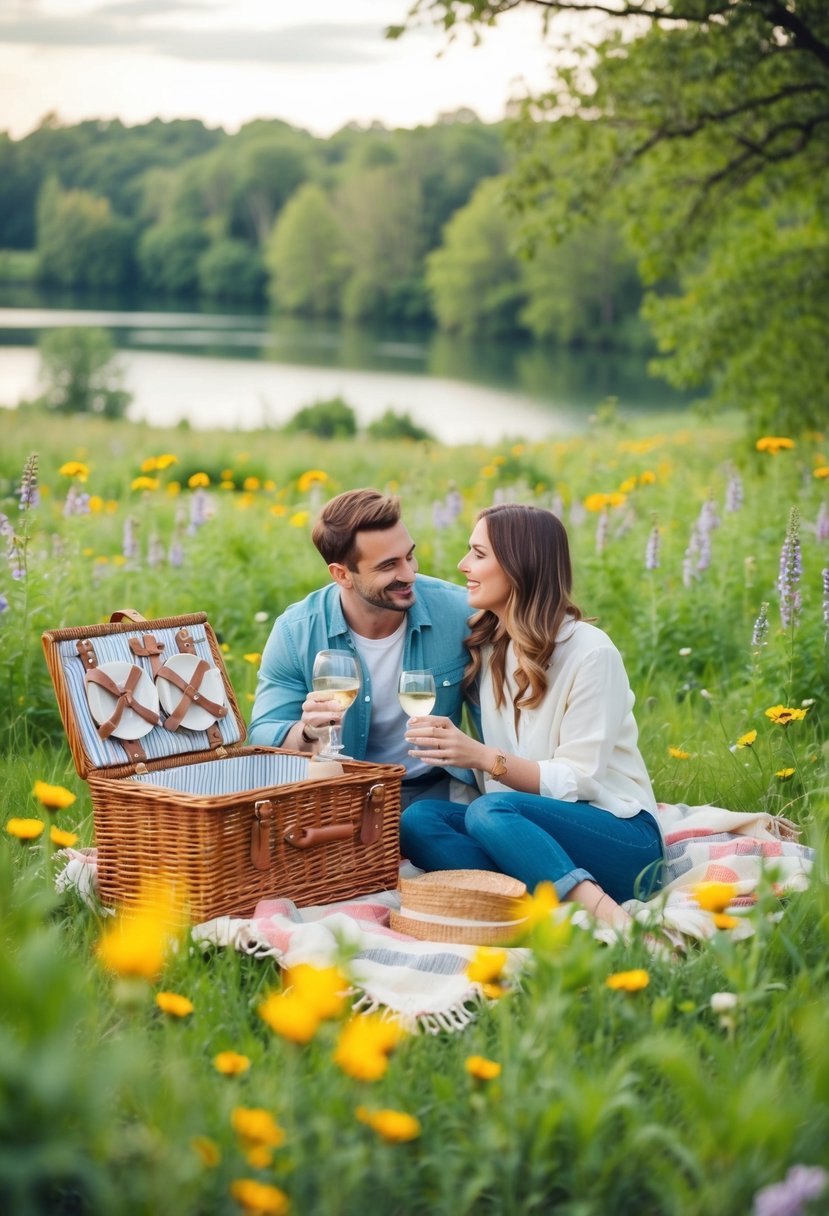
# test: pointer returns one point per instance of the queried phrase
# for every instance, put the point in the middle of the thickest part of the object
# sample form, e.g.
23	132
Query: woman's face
487	585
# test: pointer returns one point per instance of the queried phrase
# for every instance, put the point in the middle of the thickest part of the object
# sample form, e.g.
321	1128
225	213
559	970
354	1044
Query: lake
242	371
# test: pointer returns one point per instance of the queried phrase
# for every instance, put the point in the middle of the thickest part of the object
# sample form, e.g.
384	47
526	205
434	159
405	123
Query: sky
317	64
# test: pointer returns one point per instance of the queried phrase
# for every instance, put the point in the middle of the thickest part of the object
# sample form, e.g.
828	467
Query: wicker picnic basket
155	728
474	907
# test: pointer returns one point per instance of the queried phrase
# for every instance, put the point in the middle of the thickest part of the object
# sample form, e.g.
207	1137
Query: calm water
229	370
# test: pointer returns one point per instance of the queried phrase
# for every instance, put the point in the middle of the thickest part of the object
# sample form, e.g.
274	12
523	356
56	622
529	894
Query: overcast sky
317	64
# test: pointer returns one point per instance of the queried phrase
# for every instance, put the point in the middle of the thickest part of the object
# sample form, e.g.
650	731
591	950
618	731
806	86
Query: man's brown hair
335	532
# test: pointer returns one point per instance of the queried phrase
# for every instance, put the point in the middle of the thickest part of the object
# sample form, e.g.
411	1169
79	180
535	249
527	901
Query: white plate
212	687
102	703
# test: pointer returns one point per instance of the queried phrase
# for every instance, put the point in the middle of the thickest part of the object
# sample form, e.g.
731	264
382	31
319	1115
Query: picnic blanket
425	983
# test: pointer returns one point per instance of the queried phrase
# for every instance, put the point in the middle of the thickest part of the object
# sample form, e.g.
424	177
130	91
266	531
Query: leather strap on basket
189	690
86	651
123	699
370	828
150	648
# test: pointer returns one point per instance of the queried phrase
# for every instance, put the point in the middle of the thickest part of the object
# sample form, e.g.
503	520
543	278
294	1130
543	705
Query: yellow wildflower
63	840
628	484
198	480
165	460
230	1063
595	502
481	1068
784	773
310	478
269	484
96	503
226	474
647	478
774	444
678	753
253	657
259	1198
245	501
290	1017
616	499
138	941
119	560
322	989
144	483
517	449
174	1003
395	1126
299	519
207	1149
536	908
74	468
226	484
487	965
251	484
714	896
259	1157
173	488
256	1126
25	829
150	465
489	470
53	797
821	471
364	1045
278	508
747	739
628	981
783	715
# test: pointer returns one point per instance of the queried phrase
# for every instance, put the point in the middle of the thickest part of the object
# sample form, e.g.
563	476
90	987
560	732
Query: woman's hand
438	741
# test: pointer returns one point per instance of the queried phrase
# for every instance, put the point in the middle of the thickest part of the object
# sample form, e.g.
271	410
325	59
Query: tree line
370	224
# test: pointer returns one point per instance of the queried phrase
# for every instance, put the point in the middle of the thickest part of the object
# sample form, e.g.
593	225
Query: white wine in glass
336	677
416	693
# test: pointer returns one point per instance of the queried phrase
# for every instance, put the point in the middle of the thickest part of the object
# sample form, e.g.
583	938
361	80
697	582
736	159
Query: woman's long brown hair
531	546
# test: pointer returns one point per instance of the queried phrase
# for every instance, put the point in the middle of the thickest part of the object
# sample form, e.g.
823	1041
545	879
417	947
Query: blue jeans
537	839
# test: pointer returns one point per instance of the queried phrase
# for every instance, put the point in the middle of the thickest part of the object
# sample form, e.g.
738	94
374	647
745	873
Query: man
380	609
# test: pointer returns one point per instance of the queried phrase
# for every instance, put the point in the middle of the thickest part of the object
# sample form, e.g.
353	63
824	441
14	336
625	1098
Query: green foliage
231	270
80	373
80	243
18	265
333	419
392	425
168	257
306	255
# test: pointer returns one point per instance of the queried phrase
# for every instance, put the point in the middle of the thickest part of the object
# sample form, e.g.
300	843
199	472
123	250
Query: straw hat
475	907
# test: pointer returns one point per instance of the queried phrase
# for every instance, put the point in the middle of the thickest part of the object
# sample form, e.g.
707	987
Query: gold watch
500	766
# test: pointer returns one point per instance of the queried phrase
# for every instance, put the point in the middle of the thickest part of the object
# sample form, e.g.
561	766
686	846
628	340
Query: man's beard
379	601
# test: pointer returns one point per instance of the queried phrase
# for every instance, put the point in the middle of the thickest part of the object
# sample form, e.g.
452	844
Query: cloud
114	25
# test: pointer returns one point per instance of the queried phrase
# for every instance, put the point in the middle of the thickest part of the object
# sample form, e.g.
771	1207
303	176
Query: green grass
608	1102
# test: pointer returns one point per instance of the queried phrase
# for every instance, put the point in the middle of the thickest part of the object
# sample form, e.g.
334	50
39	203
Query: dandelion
74	468
789	573
785	773
290	1017
138	942
596	502
311	477
53	797
628	981
481	1068
231	1063
256	1127
652	549
25	829
802	1184
678	754
537	908
61	839
747	740
782	715
714	896
174	1004
393	1126
259	1198
821	471
773	444
144	483
253	657
198	481
487	965
365	1044
251	484
207	1150
322	989
299	519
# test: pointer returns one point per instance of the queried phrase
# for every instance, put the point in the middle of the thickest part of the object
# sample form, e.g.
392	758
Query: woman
568	798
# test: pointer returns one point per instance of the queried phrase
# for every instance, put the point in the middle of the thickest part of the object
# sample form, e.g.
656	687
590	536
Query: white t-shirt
583	734
383	657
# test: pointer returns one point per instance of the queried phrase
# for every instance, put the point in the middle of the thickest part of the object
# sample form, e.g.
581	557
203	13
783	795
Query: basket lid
136	690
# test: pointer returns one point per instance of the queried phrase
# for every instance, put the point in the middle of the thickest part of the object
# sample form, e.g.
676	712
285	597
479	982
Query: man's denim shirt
436	625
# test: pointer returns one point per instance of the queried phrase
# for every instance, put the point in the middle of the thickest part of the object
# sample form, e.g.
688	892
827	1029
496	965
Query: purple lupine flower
4	604
822	523
155	551
129	545
802	1184
704	557
708	519
690	569
733	492
760	632
440	518
77	502
17	558
454	503
652	549
29	493
175	554
198	511
602	525
825	576
791	568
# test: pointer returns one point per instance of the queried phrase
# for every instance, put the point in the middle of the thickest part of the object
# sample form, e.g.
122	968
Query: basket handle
370	828
126	614
311	838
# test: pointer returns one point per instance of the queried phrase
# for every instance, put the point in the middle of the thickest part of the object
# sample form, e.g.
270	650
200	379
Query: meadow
704	551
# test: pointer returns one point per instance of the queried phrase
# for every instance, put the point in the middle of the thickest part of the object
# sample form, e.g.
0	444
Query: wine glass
336	677
416	693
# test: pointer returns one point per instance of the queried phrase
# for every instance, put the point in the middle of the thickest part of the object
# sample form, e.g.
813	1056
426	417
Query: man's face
386	569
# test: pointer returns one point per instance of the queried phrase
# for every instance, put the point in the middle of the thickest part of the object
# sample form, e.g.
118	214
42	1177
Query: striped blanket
425	983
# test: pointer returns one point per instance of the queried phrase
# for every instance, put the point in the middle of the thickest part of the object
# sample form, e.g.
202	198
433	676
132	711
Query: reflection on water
292	362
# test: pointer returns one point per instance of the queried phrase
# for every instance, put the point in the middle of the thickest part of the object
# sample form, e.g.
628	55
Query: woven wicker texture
474	907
